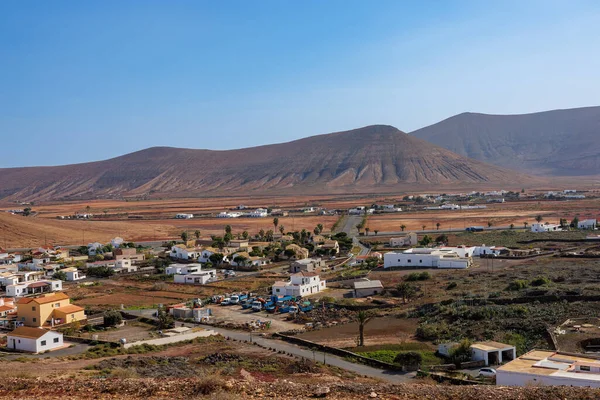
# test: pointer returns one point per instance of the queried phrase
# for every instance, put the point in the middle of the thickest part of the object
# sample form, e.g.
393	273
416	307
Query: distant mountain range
551	143
372	158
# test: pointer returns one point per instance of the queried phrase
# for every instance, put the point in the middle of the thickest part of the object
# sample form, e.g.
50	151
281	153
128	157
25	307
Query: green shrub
518	284
451	286
416	276
540	281
409	358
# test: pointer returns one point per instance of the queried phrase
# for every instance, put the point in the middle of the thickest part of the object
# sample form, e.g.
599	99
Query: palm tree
275	222
320	226
363	319
197	234
437	225
424	226
184	236
490	224
525	224
281	229
376	232
512	226
367	231
539	218
403	227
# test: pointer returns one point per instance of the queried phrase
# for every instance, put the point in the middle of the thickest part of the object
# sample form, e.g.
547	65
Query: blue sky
83	81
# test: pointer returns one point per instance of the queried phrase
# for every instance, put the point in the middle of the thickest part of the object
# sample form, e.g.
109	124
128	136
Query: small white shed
33	340
493	353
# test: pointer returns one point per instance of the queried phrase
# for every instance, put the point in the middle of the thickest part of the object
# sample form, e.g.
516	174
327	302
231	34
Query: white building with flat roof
549	368
426	258
300	284
587	224
537	228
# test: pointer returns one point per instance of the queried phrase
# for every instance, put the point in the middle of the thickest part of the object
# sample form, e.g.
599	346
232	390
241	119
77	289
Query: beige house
409	239
301	252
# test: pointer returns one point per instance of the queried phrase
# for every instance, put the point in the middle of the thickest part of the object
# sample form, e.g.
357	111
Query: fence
342	353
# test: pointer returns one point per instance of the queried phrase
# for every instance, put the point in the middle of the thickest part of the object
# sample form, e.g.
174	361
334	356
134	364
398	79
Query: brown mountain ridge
551	143
372	157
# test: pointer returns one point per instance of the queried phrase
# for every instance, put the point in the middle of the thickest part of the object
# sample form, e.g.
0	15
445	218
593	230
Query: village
411	302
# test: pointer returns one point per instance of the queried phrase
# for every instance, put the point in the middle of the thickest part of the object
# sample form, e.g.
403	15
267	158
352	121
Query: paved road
279	345
390	376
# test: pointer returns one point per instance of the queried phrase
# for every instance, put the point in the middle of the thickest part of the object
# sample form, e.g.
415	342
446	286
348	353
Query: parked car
487	372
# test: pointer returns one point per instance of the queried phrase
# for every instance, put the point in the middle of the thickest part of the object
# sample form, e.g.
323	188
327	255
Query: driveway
78	348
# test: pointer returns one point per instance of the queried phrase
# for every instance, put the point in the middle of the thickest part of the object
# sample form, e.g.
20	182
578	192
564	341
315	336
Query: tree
87	209
525	224
423	226
245	235
462	352
376	232
275	222
367	229
402	227
261	234
539	218
184	236
316	231
406	290
112	318
490	224
437	226
100	272
425	241
442	239
289	253
228	237
281	229
216	258
60	275
165	320
197	234
228	229
320	226
563	222
575	222
359	227
27	211
363	319
512	226
269	235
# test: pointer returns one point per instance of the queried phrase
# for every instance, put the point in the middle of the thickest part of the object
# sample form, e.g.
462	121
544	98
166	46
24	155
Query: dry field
159	224
498	214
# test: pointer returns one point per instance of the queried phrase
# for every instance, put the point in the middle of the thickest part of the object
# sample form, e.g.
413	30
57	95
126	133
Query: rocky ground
217	388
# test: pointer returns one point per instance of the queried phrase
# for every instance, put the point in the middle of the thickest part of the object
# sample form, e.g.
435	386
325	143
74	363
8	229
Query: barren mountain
372	157
556	143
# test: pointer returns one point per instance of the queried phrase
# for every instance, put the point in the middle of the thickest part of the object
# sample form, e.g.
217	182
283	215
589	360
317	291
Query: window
56	340
43	343
584	368
409	260
34	319
57	305
421	261
33	308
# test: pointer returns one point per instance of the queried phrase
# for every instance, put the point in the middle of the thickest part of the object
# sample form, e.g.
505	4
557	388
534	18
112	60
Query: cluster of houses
586	224
34	318
459	257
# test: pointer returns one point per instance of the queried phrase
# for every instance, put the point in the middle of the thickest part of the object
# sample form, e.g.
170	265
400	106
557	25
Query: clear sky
89	80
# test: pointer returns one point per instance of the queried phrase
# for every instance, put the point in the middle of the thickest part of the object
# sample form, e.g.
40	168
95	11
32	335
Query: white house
73	274
182	252
410	239
116	242
182	269
27	288
365	288
258	213
199	277
205	254
484	250
587	224
226	214
360	211
184	216
462	251
94	248
426	258
34	340
549	368
300	284
537	228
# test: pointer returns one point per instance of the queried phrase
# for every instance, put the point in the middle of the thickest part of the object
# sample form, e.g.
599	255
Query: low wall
341	353
89	341
445	378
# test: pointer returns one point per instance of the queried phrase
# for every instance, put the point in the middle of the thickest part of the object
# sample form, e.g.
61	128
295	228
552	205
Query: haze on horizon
85	81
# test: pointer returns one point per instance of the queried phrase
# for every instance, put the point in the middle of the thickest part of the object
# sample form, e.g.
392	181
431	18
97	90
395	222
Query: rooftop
71	308
43	299
542	362
491	346
367	284
27	332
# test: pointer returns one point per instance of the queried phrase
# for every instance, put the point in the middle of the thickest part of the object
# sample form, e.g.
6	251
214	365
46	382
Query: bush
416	276
451	286
409	358
518	284
540	281
112	318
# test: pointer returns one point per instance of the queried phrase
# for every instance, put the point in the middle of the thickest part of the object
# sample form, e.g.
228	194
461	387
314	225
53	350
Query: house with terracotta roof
48	310
300	284
8	311
34	340
128	253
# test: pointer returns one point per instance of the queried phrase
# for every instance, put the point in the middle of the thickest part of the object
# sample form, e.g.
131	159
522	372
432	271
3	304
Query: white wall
510	378
35	345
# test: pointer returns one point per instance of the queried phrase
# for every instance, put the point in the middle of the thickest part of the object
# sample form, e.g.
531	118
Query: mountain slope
369	157
556	143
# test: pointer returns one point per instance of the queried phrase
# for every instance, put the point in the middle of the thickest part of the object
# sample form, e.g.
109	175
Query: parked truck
474	229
